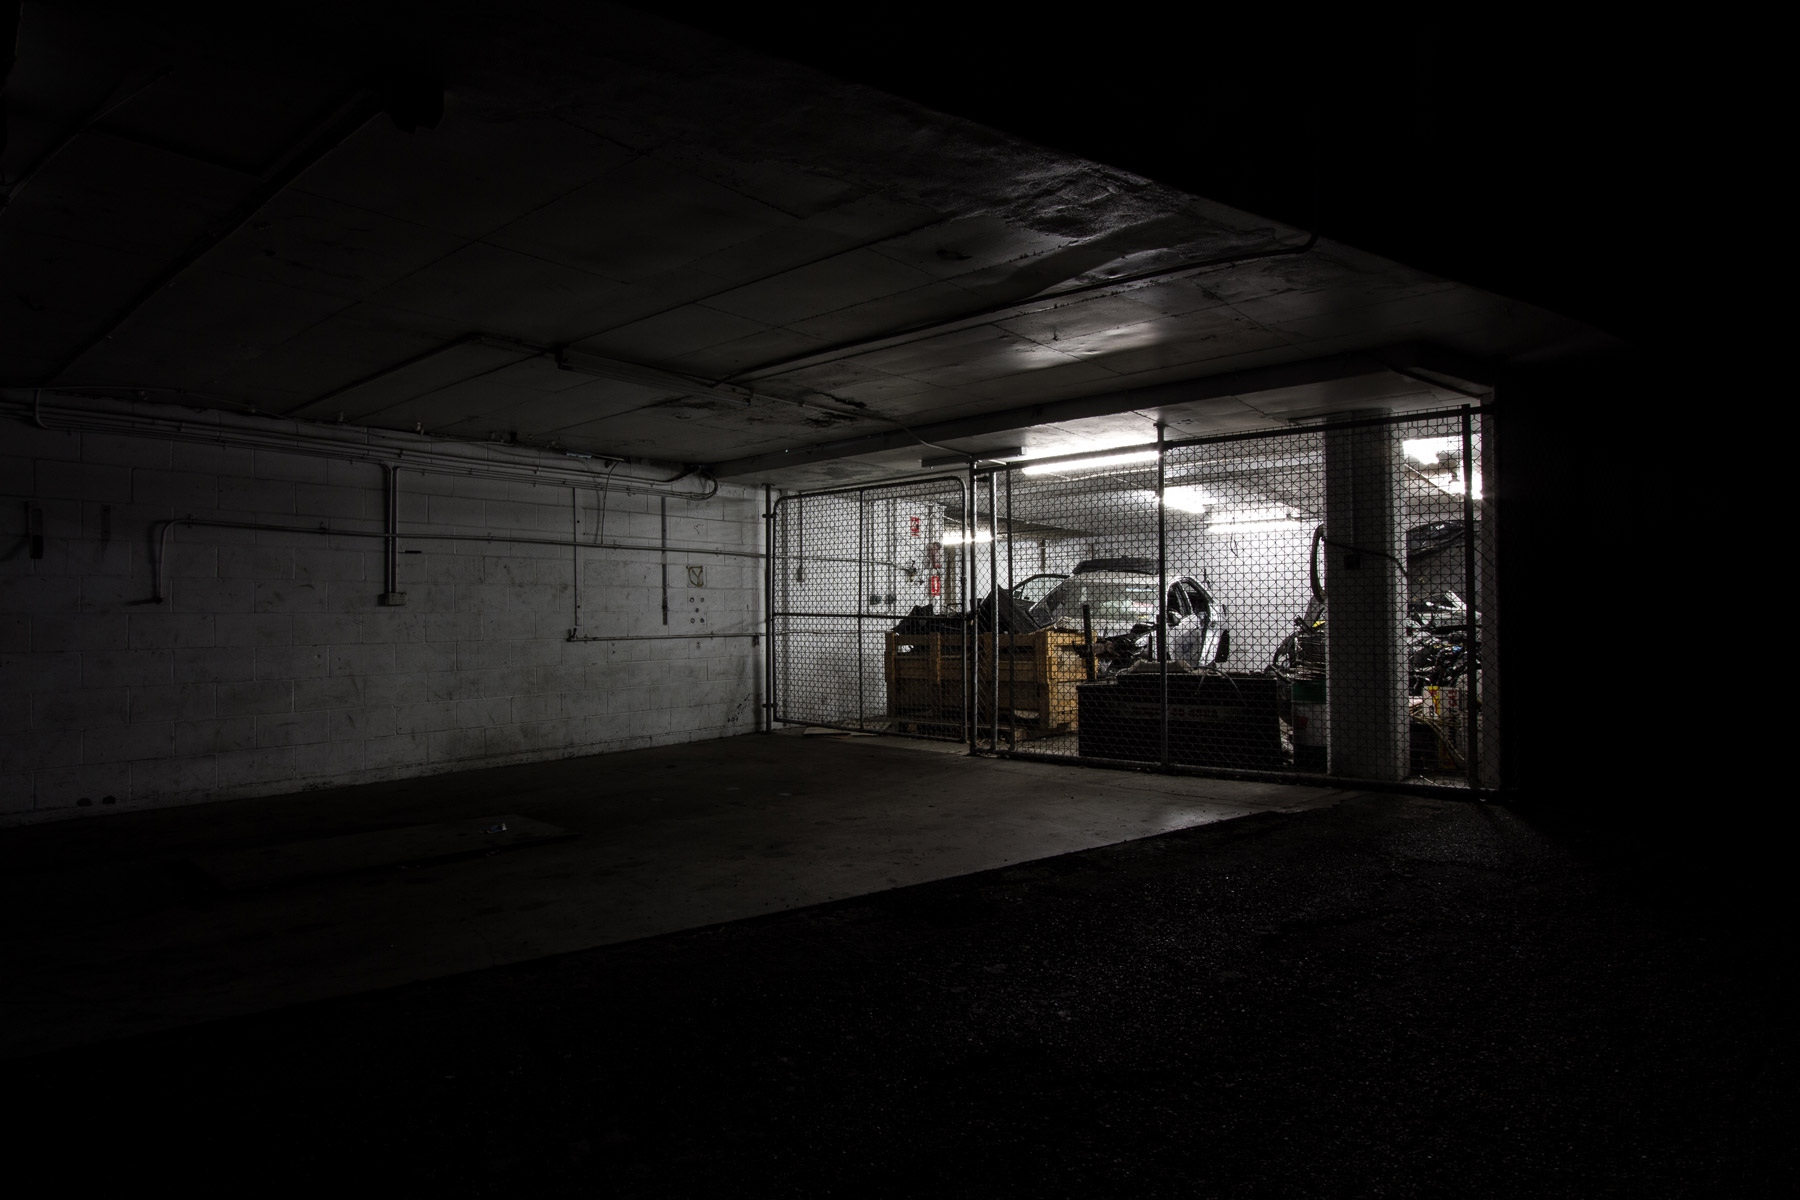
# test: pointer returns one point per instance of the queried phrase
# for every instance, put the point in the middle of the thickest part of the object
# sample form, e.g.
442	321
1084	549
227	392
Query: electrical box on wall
392	599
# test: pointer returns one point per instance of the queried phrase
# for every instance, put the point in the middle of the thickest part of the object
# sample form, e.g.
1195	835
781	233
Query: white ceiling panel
469	176
745	353
595	400
1072	319
204	324
1220	338
267	118
922	306
969	244
349	345
488	289
673	334
788	188
843	281
440	365
310	242
639	220
125	195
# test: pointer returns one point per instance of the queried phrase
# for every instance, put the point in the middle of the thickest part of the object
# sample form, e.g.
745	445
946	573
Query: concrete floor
1389	996
115	933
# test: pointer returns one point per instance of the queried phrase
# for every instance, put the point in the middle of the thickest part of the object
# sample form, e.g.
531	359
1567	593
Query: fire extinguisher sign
937	585
915	525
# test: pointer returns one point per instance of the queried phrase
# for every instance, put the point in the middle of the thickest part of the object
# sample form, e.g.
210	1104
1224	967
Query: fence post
1471	627
862	561
1162	583
994	591
1012	656
971	650
768	712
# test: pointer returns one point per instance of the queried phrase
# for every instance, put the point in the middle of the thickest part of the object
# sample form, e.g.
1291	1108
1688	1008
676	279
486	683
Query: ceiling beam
1422	362
580	361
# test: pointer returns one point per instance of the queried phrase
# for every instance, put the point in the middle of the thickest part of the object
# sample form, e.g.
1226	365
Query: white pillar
1365	592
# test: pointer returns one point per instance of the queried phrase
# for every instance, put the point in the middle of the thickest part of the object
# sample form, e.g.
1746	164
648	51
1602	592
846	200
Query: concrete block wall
271	667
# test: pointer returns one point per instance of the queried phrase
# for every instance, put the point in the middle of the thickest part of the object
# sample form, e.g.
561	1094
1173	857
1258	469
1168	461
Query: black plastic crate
1215	720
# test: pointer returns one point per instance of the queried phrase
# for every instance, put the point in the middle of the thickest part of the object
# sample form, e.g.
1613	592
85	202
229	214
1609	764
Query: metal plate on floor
266	866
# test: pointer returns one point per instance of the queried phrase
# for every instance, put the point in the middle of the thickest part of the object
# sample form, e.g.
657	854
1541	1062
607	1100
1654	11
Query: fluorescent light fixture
962	460
1452	484
1232	528
1427	450
1090	464
1187	498
1263	518
955	537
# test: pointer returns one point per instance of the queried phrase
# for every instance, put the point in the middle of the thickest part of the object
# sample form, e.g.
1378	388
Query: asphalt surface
1392	997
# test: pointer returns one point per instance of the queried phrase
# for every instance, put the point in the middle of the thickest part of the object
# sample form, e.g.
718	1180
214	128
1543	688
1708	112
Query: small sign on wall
696	576
915	525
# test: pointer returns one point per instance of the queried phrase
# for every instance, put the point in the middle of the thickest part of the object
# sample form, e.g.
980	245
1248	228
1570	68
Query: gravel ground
1393	997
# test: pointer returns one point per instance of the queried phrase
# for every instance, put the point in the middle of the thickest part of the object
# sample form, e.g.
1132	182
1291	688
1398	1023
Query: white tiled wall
271	667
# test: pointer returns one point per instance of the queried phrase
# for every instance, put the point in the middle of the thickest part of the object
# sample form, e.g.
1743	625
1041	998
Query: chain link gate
867	591
1299	604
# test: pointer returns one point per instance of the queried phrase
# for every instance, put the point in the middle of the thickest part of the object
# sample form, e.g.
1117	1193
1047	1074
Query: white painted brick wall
271	667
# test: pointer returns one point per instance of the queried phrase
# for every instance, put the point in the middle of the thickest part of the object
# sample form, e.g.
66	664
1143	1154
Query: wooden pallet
1035	678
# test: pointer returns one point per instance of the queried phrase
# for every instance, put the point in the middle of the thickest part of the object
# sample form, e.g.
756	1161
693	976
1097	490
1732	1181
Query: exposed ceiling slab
778	269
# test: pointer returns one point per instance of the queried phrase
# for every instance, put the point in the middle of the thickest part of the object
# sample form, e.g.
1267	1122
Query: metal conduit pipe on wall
161	537
391	559
545	470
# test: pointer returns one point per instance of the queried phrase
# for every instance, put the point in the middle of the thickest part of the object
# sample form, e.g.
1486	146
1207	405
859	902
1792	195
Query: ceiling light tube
1089	464
1233	528
1186	498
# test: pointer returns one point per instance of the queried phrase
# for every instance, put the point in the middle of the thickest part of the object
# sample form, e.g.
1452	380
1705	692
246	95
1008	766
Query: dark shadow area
1537	163
1392	997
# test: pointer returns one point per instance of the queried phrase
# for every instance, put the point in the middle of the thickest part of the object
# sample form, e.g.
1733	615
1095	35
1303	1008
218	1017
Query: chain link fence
848	568
1308	603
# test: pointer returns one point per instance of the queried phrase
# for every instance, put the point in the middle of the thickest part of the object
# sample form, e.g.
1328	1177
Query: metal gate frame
772	613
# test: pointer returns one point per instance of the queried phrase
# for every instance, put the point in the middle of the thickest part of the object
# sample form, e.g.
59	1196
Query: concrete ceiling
623	236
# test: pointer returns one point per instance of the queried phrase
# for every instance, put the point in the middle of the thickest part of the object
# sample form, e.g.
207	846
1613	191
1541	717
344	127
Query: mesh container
1307	603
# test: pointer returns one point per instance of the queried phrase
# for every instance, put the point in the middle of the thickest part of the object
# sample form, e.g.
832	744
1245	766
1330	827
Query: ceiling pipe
159	538
565	358
531	466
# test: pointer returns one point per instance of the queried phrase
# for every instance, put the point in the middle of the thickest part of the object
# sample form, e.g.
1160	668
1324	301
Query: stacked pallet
1034	675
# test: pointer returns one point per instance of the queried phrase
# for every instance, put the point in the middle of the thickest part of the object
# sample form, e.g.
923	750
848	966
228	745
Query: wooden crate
1036	674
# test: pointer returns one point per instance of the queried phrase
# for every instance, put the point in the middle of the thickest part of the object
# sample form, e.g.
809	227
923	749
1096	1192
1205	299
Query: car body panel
1124	603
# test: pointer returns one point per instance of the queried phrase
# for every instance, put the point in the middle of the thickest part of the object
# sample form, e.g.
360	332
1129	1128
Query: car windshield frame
1111	599
1020	587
